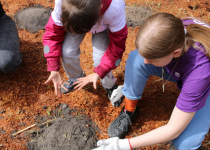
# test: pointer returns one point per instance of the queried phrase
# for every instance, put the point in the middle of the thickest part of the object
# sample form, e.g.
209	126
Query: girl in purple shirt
175	50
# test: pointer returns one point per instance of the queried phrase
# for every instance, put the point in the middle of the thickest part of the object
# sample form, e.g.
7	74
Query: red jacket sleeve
113	55
52	41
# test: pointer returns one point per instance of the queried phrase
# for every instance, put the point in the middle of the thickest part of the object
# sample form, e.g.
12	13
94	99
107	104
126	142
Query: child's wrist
125	144
129	144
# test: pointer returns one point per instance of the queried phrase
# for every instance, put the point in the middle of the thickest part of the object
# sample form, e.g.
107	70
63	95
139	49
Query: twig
32	126
206	143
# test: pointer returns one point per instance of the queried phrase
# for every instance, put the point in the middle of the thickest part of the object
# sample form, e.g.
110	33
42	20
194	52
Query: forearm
176	125
157	136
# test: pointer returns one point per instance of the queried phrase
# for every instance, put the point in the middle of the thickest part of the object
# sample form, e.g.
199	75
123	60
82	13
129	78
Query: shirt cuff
53	65
100	71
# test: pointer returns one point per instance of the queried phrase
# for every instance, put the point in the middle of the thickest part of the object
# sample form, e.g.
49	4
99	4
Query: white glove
113	144
116	94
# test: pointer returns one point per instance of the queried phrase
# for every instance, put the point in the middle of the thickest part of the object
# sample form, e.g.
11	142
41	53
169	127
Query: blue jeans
136	76
10	55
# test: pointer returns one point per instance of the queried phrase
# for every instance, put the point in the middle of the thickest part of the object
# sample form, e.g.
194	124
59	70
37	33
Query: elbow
174	133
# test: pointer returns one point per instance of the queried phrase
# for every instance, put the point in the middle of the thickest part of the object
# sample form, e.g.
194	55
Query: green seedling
59	112
48	112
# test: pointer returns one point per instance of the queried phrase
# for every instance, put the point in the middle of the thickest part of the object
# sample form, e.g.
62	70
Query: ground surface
24	94
63	132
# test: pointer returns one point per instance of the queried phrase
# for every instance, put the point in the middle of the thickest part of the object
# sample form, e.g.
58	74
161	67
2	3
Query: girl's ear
177	53
101	6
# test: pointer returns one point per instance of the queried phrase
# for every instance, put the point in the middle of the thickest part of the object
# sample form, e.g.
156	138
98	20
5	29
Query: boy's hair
79	16
163	33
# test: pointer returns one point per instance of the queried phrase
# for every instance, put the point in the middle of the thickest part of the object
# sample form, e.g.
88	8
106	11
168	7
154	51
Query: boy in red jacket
65	30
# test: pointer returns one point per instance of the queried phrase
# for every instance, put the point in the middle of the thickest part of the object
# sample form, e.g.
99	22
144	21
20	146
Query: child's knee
10	62
135	61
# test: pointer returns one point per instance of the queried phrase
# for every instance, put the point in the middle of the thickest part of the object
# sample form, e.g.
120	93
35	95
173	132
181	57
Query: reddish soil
23	93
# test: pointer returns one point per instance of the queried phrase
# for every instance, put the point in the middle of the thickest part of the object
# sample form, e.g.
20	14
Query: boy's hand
81	82
57	80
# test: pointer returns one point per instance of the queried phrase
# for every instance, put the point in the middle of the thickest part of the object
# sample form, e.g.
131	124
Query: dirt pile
24	94
135	16
65	132
33	18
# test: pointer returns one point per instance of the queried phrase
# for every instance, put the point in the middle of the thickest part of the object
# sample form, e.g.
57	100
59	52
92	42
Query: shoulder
197	64
56	13
116	7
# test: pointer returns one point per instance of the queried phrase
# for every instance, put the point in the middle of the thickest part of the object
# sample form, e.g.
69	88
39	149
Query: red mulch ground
23	93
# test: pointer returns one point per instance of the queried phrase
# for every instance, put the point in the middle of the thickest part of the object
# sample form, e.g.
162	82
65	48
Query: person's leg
191	138
10	55
136	76
71	59
70	55
100	42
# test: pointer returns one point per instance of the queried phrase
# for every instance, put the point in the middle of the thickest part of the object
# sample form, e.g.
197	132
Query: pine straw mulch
23	93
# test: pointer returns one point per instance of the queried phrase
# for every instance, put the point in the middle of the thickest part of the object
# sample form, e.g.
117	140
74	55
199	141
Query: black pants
10	55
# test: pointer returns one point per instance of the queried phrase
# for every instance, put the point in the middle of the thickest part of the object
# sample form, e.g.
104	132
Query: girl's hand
57	80
113	144
81	82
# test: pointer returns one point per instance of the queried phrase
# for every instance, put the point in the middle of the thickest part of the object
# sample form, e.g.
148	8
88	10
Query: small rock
44	107
2	131
64	106
3	111
33	141
18	112
14	131
21	124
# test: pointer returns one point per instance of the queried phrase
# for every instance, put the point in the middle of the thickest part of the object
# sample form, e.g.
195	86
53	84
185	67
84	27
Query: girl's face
160	62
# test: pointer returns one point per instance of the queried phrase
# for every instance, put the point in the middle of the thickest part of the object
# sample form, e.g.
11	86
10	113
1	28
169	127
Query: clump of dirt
33	18
65	132
135	16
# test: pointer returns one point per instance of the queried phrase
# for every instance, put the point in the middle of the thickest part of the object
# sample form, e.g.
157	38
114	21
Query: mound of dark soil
135	16
33	18
66	132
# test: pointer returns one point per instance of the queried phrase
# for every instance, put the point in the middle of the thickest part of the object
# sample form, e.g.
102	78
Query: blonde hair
200	34
163	33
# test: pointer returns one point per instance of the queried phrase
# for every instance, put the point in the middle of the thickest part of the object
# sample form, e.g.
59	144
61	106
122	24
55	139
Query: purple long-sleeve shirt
192	75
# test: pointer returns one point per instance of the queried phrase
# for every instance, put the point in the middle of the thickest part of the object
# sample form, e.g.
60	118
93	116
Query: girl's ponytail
200	34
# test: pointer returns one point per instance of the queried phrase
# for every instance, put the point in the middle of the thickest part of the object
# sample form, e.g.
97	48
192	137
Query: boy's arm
117	34
53	38
113	55
52	41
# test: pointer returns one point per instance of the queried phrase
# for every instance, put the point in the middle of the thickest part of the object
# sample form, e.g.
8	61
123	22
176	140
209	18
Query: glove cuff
124	144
